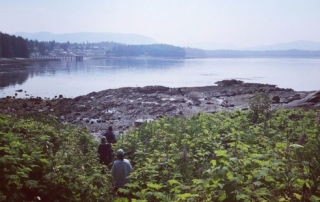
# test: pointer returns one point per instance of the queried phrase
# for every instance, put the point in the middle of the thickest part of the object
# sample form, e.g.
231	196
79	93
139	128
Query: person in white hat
120	171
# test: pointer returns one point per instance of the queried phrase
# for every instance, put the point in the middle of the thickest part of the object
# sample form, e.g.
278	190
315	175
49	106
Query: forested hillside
12	46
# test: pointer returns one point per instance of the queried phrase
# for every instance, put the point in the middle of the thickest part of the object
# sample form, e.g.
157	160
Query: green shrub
49	160
223	157
206	157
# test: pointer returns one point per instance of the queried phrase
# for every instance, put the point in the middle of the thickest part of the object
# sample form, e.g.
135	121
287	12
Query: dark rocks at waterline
275	99
126	107
231	82
314	97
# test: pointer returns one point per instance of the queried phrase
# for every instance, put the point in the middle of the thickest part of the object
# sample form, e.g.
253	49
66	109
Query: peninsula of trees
12	46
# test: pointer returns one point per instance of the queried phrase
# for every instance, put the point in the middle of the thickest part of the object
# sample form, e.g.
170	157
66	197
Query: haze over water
71	79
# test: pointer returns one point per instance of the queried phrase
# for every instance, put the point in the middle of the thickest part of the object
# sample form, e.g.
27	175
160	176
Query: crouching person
120	171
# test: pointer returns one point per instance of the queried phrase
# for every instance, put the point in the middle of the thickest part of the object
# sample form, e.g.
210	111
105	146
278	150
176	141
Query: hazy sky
243	23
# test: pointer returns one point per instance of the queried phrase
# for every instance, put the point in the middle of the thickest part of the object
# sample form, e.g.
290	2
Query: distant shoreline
206	54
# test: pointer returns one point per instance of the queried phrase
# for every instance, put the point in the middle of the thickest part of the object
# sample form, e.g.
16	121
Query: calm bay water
71	78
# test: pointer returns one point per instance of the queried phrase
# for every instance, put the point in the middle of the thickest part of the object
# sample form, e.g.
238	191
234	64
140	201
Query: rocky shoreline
131	106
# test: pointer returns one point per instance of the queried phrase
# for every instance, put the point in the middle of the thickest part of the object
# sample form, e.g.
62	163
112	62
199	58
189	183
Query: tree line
154	50
12	46
16	46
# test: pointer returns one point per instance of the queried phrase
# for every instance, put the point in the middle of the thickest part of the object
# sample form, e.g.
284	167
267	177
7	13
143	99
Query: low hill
300	45
92	37
261	54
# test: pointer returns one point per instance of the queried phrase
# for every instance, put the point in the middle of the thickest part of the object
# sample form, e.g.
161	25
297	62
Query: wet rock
139	122
314	97
231	82
25	105
294	97
121	107
20	90
48	104
275	99
81	108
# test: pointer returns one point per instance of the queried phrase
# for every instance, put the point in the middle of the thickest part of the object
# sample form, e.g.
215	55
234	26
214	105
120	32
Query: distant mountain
297	45
212	46
262	54
91	37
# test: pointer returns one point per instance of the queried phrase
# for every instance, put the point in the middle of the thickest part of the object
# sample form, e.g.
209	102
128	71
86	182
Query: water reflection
47	77
12	76
71	78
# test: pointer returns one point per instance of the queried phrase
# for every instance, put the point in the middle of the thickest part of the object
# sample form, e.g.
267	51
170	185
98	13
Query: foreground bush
49	161
226	157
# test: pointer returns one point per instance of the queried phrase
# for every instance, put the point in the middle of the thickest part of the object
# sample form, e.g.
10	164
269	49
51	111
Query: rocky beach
131	106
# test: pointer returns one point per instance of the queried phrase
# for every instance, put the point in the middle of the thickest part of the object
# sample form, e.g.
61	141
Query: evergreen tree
0	45
12	46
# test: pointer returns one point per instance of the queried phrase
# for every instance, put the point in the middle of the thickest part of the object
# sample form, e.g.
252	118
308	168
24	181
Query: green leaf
213	162
171	182
122	199
221	153
186	195
31	184
2	196
222	197
45	161
314	198
242	196
298	196
257	183
136	200
154	186
229	175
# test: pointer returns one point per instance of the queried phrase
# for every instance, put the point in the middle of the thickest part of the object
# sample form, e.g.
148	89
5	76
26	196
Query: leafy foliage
48	160
224	157
260	105
206	157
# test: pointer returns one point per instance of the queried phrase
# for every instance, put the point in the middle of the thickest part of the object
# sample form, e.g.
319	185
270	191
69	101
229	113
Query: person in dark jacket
105	152
110	135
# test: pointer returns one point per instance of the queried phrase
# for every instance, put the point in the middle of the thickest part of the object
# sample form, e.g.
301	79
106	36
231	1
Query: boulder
313	97
139	122
231	82
276	99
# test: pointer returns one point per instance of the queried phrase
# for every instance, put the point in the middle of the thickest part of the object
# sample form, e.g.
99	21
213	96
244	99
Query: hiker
105	152
111	137
120	171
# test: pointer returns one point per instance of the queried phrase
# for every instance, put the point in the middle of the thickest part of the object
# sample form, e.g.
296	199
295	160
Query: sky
243	23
